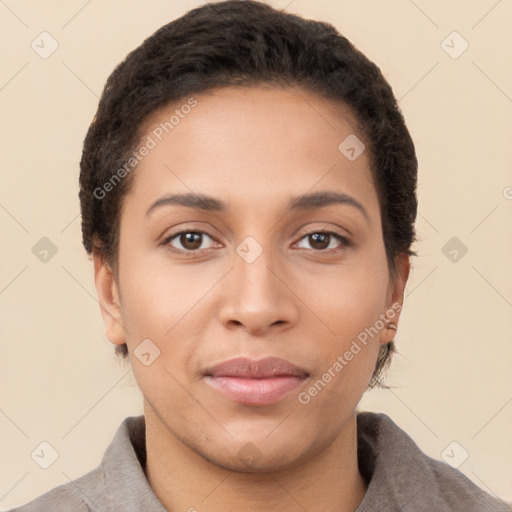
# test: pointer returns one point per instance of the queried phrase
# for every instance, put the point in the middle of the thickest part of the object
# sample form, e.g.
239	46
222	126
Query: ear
395	297
108	297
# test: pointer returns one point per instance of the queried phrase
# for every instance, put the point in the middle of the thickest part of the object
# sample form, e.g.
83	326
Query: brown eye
188	241
319	240
322	240
191	241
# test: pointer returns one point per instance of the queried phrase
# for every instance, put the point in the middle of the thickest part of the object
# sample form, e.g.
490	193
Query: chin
249	459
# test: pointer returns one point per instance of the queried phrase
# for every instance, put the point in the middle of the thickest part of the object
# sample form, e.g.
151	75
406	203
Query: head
253	107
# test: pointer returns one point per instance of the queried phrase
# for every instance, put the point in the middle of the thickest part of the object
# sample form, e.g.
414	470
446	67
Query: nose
257	297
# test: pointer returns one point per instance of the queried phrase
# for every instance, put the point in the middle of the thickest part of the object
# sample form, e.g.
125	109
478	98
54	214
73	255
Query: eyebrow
312	201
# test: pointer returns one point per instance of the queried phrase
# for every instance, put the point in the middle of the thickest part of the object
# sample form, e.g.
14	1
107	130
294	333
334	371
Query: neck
183	480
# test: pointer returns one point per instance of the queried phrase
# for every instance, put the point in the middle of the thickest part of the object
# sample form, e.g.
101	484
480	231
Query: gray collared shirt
400	477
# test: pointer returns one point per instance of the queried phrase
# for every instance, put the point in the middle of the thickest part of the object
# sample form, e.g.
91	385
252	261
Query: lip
255	382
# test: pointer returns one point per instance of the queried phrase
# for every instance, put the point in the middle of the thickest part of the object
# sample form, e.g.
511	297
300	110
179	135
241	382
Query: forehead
266	144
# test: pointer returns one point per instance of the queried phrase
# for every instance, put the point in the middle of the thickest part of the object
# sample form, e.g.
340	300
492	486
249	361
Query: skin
253	148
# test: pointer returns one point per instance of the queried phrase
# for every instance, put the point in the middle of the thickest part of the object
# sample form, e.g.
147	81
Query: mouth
255	382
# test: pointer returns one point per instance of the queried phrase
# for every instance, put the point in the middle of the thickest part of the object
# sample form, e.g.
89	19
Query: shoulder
404	478
80	495
119	476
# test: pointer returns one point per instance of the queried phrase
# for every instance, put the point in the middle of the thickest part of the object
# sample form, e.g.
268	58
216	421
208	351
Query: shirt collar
399	476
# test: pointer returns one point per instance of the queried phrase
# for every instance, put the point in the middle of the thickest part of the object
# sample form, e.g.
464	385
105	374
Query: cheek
164	303
346	300
348	303
157	293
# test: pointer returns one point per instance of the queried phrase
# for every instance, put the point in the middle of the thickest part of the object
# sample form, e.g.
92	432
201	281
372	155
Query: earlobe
108	297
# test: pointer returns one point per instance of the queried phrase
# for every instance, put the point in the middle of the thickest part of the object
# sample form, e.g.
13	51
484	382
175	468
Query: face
258	271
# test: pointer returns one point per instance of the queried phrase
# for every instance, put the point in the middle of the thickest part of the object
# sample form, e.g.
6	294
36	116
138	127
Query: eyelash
344	240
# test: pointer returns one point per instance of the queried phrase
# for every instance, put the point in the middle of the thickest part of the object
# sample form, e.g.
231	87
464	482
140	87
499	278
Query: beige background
60	381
